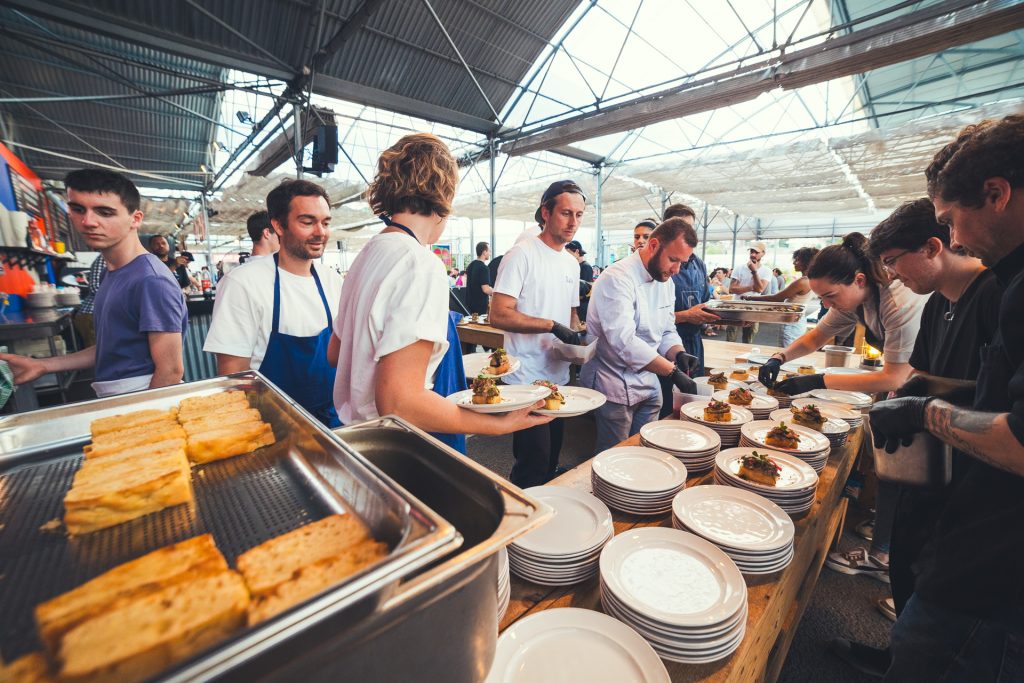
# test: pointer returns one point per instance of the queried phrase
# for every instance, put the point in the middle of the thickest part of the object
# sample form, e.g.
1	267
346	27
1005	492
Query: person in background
276	316
797	292
390	334
84	321
178	265
460	279
960	317
780	280
642	231
751	278
139	313
478	280
492	269
965	620
586	277
264	243
637	343
535	296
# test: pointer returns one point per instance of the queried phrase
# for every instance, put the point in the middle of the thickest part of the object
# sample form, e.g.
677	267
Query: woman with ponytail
857	289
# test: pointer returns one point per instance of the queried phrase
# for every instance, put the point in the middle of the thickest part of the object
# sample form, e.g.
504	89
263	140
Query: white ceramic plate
795	365
853	398
835	410
735	518
751	372
761	402
695	412
578	400
580	522
513	397
674	577
635	468
681	437
811	442
796	475
833	425
572	644
474	364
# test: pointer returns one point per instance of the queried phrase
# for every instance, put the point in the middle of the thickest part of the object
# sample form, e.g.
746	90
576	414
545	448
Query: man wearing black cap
586	277
535	296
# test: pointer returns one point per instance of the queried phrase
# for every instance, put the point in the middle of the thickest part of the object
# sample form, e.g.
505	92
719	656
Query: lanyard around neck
392	224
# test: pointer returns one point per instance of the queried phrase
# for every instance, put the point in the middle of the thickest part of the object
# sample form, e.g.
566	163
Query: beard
307	251
654	270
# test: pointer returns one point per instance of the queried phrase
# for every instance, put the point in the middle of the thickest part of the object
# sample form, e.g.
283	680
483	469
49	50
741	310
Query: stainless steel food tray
242	501
757	311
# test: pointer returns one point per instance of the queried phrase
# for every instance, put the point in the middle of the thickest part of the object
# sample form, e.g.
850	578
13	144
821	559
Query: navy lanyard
392	224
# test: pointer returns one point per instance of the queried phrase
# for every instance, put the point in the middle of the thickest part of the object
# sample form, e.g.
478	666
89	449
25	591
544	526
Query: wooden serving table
776	601
484	335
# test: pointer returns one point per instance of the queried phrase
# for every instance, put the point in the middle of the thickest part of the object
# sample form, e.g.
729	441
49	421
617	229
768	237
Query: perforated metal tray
756	311
243	501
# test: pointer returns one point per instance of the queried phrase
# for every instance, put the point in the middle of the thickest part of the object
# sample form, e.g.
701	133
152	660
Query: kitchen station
502	342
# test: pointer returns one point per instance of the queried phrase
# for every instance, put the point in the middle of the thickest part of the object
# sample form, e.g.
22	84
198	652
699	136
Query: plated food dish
498	362
475	364
741	397
485	390
759	468
782	436
554	400
718	380
510	396
717	411
809	416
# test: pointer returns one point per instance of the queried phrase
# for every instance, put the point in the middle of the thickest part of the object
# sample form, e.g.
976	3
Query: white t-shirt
742	276
244	312
222	284
545	284
527	233
395	294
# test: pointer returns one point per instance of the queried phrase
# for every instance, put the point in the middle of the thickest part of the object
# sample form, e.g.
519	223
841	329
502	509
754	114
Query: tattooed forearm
984	436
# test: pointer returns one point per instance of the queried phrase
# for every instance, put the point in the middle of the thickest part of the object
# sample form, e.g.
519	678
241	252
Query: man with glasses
751	277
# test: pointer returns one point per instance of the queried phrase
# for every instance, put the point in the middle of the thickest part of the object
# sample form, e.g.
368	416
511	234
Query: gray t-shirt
894	318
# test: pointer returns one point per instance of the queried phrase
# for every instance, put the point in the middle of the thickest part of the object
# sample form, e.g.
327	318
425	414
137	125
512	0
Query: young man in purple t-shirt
139	313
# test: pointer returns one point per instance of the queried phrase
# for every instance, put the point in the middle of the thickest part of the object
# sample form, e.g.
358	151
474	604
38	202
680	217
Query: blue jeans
932	643
617	422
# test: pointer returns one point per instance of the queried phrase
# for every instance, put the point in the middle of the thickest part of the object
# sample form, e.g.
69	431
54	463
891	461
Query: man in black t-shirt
478	280
965	620
586	277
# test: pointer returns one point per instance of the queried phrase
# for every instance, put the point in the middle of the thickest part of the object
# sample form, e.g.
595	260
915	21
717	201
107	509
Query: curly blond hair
417	174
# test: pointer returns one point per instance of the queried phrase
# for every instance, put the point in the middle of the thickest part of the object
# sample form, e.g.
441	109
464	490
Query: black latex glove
769	372
801	384
682	382
894	422
957	391
566	335
687	363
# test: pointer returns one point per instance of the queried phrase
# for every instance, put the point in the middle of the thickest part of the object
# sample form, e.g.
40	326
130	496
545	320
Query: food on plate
739	373
718	411
759	468
782	437
148	574
555	400
718	380
809	416
806	370
772	391
485	390
286	570
741	397
117	423
30	668
475	317
498	363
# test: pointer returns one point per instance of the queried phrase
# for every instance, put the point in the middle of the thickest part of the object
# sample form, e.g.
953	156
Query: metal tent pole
491	188
599	239
209	239
704	241
298	140
735	230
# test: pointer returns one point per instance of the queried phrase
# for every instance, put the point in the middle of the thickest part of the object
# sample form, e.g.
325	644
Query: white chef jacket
633	317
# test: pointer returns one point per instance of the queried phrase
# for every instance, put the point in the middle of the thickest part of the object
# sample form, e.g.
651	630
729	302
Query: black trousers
536	451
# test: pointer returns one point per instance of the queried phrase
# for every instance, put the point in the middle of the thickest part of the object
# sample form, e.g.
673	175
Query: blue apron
691	284
298	365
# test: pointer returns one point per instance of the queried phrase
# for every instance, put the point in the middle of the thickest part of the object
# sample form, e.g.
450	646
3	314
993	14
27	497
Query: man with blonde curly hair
276	316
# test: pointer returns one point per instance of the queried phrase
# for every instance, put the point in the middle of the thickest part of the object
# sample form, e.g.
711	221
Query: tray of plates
756	311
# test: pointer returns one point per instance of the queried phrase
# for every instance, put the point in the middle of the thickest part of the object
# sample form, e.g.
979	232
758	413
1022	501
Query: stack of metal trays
757	311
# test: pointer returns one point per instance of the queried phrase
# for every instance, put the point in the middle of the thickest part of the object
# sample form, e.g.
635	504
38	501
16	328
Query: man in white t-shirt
264	244
535	296
750	277
276	316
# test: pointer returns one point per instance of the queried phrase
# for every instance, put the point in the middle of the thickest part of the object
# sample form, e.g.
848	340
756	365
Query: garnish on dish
718	380
497	363
555	400
809	416
718	411
783	437
759	468
741	397
485	390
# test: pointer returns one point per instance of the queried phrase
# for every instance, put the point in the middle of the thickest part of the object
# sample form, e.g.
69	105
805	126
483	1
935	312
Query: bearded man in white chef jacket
632	314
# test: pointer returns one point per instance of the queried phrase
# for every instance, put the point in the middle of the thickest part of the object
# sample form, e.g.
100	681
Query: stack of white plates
705	389
760	390
566	549
504	583
45	299
755	532
573	644
695	445
681	593
794	489
854	399
852	417
760	407
68	297
813	447
834	429
639	480
728	431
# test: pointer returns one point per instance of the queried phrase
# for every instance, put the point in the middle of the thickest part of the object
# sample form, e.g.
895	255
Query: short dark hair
680	211
840	263
96	180
550	197
804	255
279	200
990	149
910	226
672	229
481	247
256	224
647	223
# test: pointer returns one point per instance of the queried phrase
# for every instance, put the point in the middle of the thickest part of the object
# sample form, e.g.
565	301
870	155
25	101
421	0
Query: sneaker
858	561
865	530
888	608
864	658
